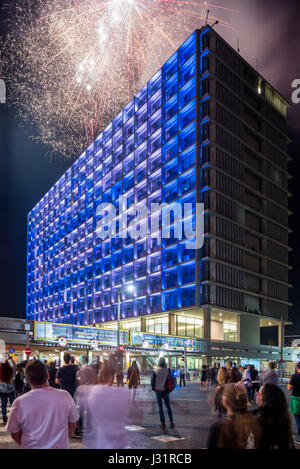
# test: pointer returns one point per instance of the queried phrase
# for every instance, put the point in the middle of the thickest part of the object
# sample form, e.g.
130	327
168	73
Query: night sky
269	34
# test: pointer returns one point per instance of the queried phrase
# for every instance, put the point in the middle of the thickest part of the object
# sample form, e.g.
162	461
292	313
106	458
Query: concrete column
249	330
172	324
143	364
281	334
143	324
206	323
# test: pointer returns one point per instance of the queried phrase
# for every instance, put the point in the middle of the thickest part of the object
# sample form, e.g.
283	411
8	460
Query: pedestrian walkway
193	415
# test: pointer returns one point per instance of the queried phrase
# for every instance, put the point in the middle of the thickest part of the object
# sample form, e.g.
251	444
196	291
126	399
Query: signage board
142	339
52	332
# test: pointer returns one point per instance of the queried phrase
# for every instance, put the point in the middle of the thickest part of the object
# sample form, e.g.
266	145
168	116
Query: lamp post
129	288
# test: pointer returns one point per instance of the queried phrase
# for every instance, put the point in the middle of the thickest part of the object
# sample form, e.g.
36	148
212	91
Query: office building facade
206	129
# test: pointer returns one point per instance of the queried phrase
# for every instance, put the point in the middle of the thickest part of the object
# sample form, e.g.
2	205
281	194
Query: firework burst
71	65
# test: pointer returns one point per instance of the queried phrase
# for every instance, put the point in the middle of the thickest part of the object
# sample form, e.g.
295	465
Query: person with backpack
162	383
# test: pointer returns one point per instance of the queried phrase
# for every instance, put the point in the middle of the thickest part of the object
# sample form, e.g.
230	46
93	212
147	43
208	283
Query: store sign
62	341
202	346
165	341
52	332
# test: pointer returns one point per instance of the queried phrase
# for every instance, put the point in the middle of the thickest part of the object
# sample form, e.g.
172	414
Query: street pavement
193	415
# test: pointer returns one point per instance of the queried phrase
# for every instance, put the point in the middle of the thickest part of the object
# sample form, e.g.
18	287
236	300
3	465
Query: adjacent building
207	128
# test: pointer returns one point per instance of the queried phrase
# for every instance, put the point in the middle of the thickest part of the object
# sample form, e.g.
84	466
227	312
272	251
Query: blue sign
11	350
51	332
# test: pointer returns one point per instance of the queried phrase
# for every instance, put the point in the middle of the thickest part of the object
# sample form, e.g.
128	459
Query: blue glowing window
169	192
186	296
107	149
154	84
170	171
106	264
187	49
154	103
97	268
170	108
116	259
140	172
170	87
169	129
129	145
128	129
81	163
127	254
154	161
169	299
98	159
187	159
128	111
117	139
141	135
169	150
106	198
189	227
154	303
140	268
128	165
154	142
141	116
127	273
154	263
141	153
186	273
116	243
187	114
141	98
154	283
187	71
154	199
107	182
116	277
188	203
154	181
141	191
187	137
169	278
117	123
118	155
97	252
140	306
117	173
187	181
140	248
154	122
169	257
187	93
116	190
170	67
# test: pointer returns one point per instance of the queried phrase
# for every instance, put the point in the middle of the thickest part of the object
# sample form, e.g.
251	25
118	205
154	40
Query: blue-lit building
206	128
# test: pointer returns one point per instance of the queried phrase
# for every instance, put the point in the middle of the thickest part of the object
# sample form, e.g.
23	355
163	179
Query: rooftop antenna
207	17
238	45
216	22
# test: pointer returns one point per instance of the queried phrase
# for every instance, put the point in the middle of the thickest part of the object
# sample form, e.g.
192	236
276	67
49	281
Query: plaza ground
193	415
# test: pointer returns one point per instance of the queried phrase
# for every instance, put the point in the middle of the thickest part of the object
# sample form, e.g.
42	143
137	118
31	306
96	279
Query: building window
230	332
189	327
158	326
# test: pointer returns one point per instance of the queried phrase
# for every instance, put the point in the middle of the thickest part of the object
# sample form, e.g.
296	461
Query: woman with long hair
7	387
273	419
133	378
238	428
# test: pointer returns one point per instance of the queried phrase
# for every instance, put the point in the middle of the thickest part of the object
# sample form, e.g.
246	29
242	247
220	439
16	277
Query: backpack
171	382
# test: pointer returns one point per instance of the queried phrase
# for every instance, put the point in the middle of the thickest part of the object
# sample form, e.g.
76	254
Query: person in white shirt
45	417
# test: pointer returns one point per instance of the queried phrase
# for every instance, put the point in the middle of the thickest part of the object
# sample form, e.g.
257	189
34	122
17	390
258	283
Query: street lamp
129	288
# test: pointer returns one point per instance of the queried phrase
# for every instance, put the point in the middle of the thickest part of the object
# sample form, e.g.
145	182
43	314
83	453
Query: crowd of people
50	404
